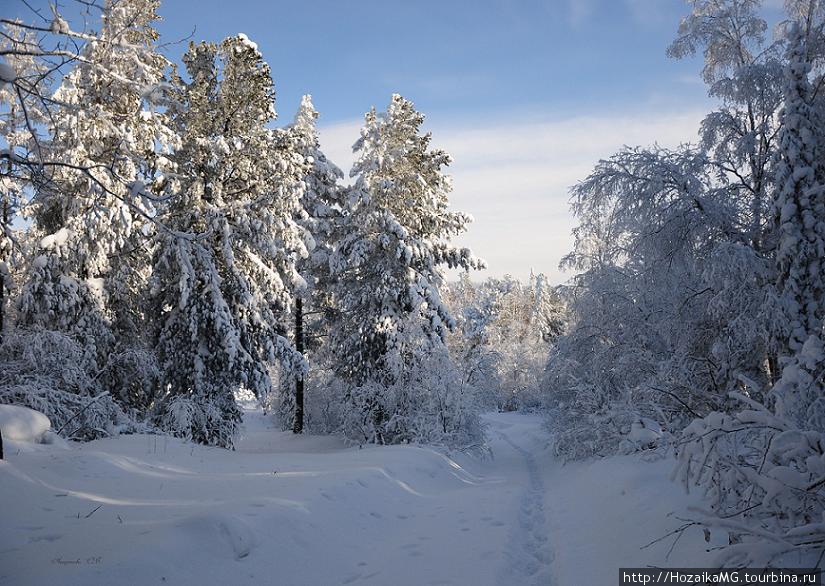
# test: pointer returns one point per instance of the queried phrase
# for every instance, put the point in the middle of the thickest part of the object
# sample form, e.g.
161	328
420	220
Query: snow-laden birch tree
15	123
89	207
698	314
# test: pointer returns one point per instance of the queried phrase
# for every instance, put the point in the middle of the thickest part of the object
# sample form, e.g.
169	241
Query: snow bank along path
22	424
310	511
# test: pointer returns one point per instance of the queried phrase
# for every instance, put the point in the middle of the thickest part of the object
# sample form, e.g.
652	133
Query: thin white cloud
579	11
448	84
514	177
648	13
689	79
337	140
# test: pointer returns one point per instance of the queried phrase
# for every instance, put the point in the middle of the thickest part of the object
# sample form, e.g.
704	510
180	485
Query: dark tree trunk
298	425
1	444
4	226
2	306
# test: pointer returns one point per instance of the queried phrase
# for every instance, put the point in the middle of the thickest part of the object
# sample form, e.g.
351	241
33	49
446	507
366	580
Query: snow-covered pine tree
322	198
90	208
395	239
225	270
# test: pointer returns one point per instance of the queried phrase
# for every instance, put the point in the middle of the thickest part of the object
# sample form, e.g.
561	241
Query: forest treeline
166	250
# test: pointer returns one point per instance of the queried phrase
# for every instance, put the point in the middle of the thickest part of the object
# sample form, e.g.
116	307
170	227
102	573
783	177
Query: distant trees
506	329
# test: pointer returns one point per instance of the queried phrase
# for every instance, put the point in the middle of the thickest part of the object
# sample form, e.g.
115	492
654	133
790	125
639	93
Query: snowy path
311	511
528	553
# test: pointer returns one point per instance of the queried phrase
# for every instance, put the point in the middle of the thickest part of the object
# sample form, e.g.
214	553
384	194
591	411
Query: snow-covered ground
309	510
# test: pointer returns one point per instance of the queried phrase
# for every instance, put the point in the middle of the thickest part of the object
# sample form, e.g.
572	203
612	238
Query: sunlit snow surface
309	510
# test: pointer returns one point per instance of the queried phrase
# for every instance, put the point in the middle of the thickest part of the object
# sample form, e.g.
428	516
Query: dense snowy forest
170	252
698	310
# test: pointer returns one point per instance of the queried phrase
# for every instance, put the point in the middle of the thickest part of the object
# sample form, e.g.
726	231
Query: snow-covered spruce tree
320	216
392	322
89	207
225	268
800	246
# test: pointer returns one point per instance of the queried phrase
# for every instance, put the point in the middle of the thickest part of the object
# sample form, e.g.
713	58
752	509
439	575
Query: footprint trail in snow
528	556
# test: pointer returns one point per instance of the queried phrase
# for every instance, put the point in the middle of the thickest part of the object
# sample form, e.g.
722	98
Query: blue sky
457	59
526	95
